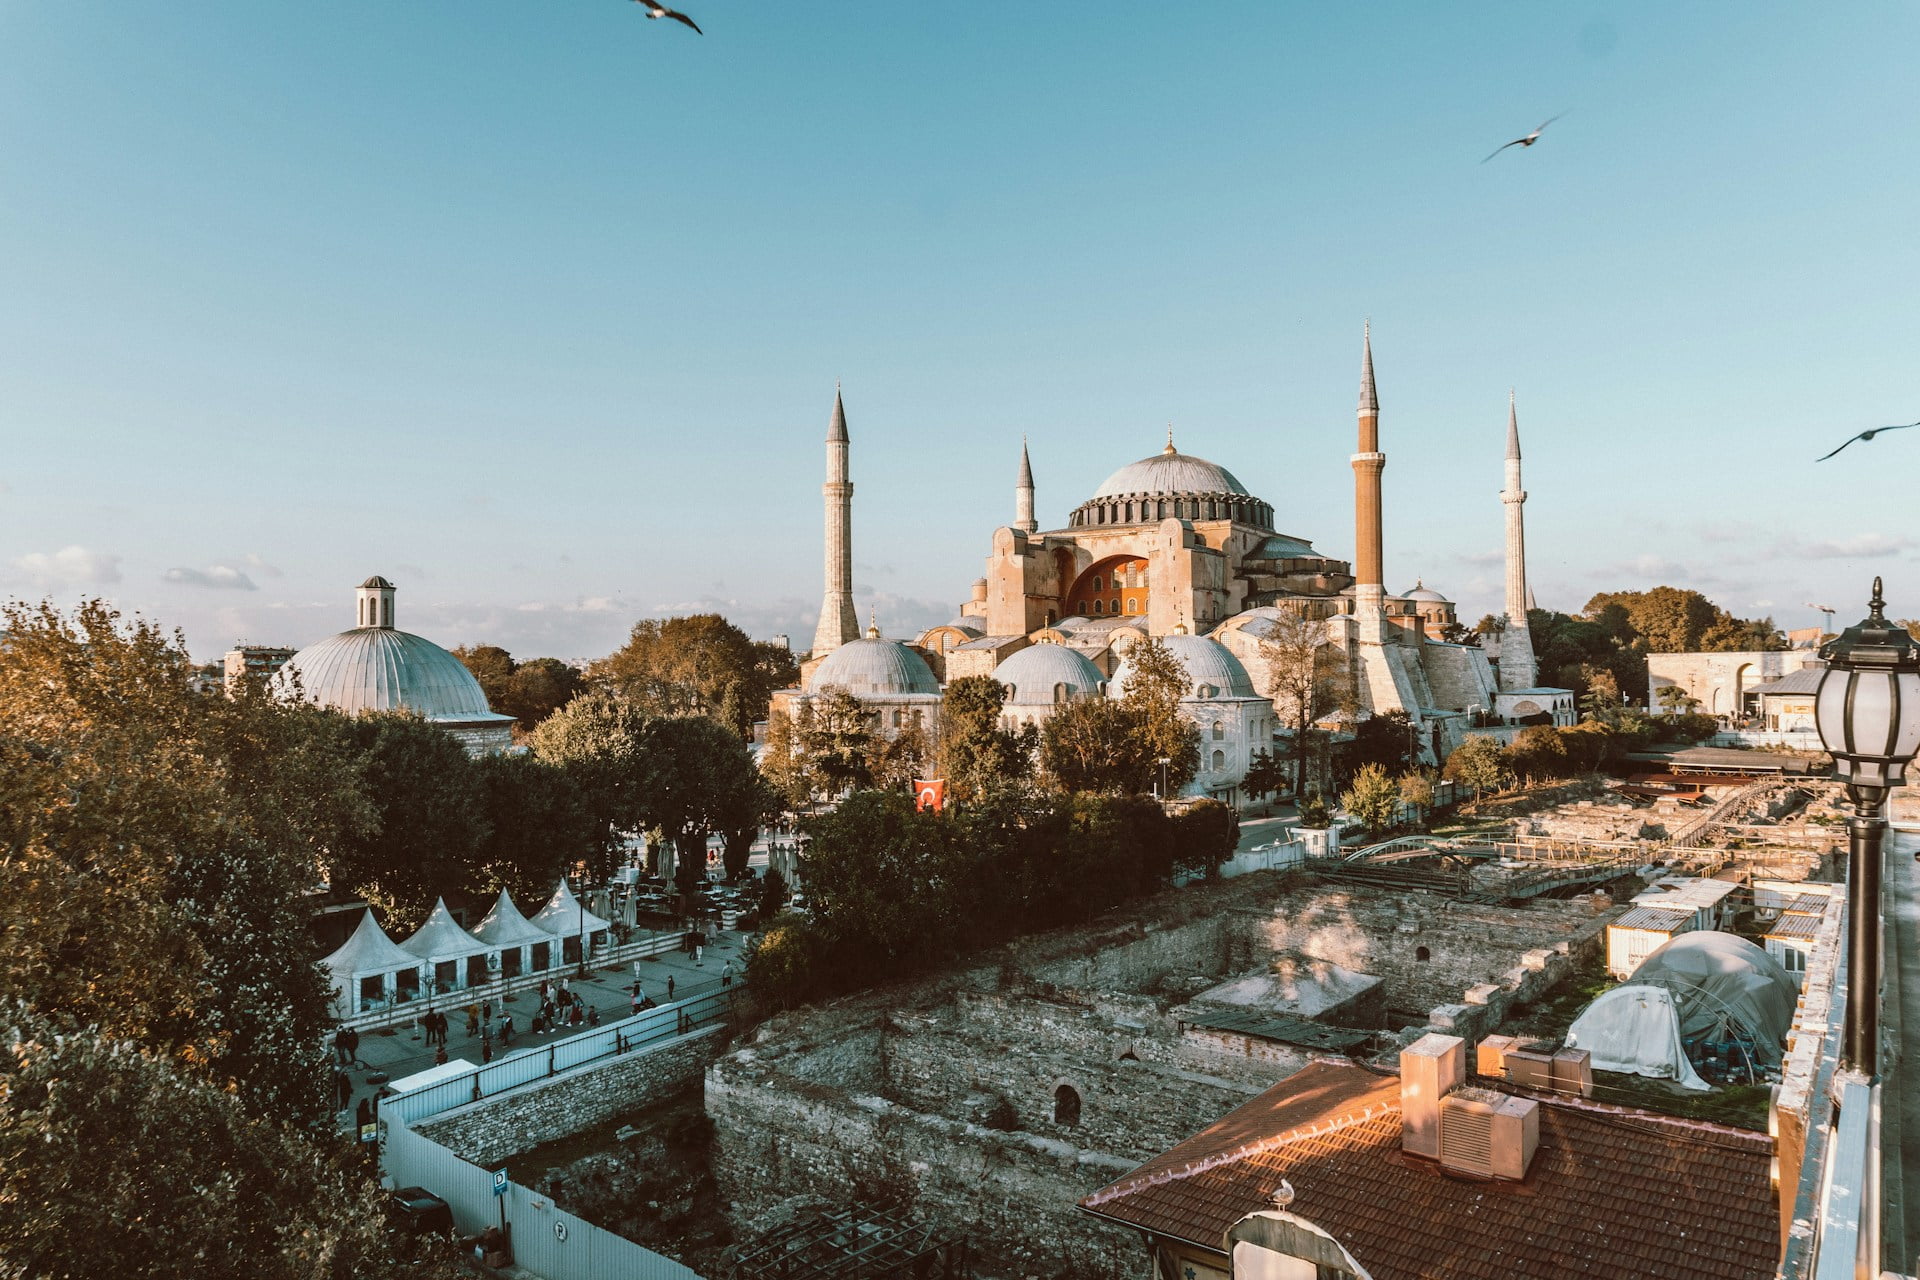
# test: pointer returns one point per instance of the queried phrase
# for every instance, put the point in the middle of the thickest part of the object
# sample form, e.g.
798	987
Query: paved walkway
608	990
1902	908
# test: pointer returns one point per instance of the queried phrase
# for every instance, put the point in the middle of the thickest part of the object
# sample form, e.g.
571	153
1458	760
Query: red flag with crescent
930	793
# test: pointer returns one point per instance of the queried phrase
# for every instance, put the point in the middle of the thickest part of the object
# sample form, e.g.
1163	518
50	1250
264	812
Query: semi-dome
1421	591
1042	674
1172	484
375	667
875	668
1212	670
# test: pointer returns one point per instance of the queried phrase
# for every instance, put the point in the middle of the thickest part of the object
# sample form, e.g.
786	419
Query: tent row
370	971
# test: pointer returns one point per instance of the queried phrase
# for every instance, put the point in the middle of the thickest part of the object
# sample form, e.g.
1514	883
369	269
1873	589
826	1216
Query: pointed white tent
565	917
515	937
457	958
368	955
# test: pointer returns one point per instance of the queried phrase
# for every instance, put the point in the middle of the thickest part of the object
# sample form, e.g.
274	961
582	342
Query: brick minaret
1369	590
837	621
1023	495
1517	666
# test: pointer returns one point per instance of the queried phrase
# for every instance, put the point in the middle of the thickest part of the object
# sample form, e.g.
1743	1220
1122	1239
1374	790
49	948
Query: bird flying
657	10
1527	141
1868	435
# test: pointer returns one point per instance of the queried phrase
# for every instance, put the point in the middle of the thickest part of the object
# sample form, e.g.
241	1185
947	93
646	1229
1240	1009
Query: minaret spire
1369	588
838	622
1518	669
1023	494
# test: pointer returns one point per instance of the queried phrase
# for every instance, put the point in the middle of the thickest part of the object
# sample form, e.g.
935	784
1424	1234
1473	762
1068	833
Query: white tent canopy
564	917
1636	1029
369	953
504	926
442	938
1723	984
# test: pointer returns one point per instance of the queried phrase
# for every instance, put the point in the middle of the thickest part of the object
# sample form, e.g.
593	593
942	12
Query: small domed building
377	667
1233	719
890	679
1042	678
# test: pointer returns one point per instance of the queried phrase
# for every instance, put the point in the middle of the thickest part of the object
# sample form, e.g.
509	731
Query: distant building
1721	684
253	662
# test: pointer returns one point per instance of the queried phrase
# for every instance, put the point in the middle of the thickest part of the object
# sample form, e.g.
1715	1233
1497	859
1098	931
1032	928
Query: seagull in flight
657	10
1868	435
1527	141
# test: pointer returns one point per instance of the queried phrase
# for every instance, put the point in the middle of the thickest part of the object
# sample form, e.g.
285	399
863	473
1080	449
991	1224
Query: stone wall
1138	958
506	1124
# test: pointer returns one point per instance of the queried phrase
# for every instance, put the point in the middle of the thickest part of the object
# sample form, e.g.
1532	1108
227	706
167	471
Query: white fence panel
551	1242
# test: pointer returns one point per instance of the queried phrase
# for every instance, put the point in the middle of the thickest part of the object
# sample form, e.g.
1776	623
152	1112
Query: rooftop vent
1429	1068
1487	1133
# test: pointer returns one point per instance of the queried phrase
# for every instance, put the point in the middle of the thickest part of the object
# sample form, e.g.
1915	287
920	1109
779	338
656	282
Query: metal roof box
1488	1133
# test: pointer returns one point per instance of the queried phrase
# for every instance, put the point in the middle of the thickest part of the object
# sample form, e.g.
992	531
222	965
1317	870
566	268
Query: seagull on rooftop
1868	435
657	10
1527	141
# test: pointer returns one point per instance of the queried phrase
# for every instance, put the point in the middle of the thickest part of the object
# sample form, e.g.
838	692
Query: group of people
346	1047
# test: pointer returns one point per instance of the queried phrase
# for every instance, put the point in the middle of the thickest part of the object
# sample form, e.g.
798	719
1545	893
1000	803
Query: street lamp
1867	709
1163	762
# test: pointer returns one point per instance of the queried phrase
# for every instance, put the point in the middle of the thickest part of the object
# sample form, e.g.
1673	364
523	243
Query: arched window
1219	731
1129	513
896	719
1096	606
1133	606
1066	1105
1202	690
1060	692
1096	582
1115	609
1219	762
1421	953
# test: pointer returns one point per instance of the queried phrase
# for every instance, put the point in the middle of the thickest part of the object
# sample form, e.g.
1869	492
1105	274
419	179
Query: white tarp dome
368	953
504	926
1722	983
1635	1029
564	917
441	938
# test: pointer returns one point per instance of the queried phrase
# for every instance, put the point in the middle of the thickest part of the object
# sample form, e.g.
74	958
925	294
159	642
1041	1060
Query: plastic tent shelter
457	958
369	971
524	947
566	918
1703	990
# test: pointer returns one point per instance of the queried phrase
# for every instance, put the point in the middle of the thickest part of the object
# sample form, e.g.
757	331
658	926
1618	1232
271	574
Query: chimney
1430	1067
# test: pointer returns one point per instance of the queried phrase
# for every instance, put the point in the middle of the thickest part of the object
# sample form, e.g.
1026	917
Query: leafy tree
1098	744
117	1162
493	667
1373	798
1674	700
1205	834
539	826
1574	652
975	752
1537	753
834	733
600	741
883	881
1155	686
1386	739
431	816
774	892
788	961
1416	793
785	764
1600	704
157	846
687	666
1315	813
697	777
541	686
1307	679
1480	762
1266	774
1588	745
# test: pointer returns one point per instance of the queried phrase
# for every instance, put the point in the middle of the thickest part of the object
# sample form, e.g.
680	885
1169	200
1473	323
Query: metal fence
648	1027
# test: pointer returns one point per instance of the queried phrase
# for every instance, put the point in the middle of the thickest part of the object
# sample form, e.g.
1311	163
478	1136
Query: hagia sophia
1176	547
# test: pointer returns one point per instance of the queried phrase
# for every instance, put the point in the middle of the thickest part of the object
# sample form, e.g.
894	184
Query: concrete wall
506	1124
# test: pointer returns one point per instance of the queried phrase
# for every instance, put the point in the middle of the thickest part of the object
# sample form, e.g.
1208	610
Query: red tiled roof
1611	1192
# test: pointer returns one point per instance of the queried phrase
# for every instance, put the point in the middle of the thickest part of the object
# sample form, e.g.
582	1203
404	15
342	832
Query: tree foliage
1099	745
539	826
1307	678
600	741
696	665
1387	739
528	691
1373	799
1538	753
976	754
1480	762
1156	684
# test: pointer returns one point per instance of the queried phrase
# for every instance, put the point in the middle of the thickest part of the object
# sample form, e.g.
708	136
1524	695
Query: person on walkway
726	974
593	1016
342	1089
353	1047
578	1017
636	997
563	991
440	1056
506	1028
486	1051
669	988
699	951
473	1022
340	1057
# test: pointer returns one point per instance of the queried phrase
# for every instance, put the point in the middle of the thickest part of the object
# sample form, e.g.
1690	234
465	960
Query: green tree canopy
1373	799
528	691
1480	762
1098	744
976	754
698	778
600	741
697	665
1676	620
539	826
1538	753
1156	684
1307	679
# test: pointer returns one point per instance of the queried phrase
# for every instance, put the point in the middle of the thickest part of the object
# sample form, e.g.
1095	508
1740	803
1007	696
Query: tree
1098	744
157	846
774	892
1306	680
431	818
834	733
1416	794
1674	620
1537	752
1386	739
686	666
884	881
785	765
539	826
493	667
117	1162
541	686
975	752
1480	762
697	777
1155	685
1674	700
1205	834
1266	774
600	741
1373	798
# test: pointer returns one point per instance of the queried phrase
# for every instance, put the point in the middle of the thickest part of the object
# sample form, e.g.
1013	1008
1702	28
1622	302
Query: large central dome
1168	472
1172	484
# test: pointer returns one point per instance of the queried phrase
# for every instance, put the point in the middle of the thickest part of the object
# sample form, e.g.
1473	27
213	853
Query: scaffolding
859	1243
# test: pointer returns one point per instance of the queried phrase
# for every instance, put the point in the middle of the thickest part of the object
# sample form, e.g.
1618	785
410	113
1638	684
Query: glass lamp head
1867	707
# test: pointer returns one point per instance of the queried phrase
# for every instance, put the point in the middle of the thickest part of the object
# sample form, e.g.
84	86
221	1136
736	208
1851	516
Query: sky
537	307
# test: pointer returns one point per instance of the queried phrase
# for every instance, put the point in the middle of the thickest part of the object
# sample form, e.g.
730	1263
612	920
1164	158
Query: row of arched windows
1141	510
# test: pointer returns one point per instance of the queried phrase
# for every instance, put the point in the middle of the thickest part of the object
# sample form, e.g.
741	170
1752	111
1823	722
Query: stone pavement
608	990
1901	904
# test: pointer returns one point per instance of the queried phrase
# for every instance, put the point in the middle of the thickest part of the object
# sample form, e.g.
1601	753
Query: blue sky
536	306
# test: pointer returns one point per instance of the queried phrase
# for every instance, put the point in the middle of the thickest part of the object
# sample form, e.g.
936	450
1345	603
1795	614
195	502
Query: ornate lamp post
1867	709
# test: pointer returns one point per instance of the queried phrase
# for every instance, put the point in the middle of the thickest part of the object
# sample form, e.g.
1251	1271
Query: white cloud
260	566
222	576
69	565
1862	546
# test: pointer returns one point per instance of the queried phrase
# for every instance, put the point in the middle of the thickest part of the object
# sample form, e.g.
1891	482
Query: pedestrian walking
699	951
340	1047
473	1022
726	974
669	986
440	1056
543	991
636	997
563	991
577	1018
342	1089
506	1029
486	1051
353	1047
593	1017
486	1012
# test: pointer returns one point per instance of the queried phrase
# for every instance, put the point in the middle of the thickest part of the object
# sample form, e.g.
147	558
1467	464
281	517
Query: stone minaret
1023	495
837	621
1517	667
1369	590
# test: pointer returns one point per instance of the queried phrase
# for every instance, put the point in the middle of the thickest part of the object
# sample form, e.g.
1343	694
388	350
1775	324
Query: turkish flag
930	793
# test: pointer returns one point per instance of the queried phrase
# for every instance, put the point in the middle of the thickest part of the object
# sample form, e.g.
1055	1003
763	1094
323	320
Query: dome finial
1169	451
873	624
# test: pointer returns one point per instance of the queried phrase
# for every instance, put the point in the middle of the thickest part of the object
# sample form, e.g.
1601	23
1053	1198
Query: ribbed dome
1170	473
1421	591
1208	663
1035	672
380	669
873	668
